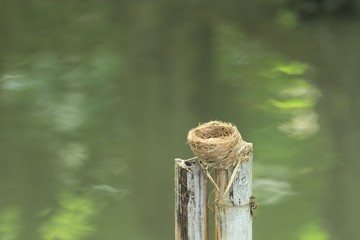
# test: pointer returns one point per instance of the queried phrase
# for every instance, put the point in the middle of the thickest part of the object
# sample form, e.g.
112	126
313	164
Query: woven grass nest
217	144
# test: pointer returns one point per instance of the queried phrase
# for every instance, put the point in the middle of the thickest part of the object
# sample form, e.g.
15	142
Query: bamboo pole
190	201
233	204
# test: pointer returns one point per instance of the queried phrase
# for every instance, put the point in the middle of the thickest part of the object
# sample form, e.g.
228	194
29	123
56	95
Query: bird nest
217	144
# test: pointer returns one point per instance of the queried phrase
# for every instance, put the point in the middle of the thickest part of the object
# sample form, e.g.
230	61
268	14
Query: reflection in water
14	82
302	125
73	155
272	191
10	223
71	220
272	184
109	191
102	95
68	114
313	231
298	100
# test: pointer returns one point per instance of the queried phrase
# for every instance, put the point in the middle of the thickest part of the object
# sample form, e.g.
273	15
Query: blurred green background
97	97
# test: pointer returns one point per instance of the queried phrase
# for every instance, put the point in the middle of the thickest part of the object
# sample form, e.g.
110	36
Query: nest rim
230	133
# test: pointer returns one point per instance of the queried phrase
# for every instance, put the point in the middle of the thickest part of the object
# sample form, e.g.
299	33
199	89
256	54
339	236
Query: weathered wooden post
233	203
218	146
191	222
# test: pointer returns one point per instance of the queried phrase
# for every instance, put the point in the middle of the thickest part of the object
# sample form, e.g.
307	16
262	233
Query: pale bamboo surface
233	220
191	211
